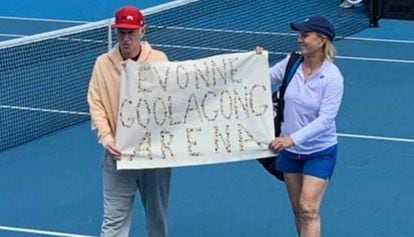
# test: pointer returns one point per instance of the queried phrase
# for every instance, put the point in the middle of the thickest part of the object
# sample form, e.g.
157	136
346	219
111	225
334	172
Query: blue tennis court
51	185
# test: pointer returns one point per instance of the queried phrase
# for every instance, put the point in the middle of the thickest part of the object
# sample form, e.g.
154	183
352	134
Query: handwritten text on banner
196	112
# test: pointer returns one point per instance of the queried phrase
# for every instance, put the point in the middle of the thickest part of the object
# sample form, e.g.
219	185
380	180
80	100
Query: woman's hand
280	143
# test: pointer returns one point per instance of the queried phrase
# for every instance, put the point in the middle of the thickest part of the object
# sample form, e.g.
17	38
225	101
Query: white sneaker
345	4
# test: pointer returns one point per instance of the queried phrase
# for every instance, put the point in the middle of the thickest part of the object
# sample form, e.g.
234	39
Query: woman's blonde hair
329	50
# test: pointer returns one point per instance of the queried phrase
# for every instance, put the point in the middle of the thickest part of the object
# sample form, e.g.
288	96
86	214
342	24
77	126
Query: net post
374	15
109	34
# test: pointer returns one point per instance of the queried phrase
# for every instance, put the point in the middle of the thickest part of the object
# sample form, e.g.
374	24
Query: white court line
221	30
286	53
213	30
275	33
41	19
87	114
150	10
12	35
379	40
59	38
42	232
42	110
240	50
393	139
199	48
388	60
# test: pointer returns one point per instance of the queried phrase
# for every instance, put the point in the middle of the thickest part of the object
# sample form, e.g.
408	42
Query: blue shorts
320	164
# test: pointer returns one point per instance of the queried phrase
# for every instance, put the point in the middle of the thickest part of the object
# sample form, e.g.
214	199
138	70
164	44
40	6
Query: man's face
130	41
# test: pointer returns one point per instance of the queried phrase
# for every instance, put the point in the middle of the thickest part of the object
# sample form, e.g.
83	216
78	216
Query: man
120	187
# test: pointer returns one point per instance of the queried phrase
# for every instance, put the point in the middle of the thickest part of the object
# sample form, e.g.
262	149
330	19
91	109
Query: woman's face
311	43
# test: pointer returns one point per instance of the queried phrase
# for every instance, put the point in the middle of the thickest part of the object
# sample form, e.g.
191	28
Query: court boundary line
369	137
406	61
149	10
42	19
89	26
381	138
378	40
286	53
43	110
41	232
388	60
221	30
179	3
12	35
275	33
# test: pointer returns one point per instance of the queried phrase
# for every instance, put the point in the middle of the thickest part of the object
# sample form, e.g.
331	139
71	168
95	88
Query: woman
307	145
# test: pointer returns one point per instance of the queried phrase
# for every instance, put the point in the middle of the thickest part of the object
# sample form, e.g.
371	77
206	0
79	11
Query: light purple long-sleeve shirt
311	106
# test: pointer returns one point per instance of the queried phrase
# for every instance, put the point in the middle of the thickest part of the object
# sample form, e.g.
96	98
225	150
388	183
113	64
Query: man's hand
113	151
259	50
280	143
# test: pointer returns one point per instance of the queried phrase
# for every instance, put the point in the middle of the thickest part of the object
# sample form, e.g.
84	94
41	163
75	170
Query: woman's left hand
280	143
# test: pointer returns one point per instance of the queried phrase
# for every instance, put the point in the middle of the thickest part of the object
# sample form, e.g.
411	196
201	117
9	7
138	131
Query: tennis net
44	77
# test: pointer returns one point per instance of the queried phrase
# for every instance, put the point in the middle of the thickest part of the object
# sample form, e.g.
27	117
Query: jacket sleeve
277	72
328	111
99	117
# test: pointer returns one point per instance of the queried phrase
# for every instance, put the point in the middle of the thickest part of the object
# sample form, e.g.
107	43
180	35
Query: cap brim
126	26
300	27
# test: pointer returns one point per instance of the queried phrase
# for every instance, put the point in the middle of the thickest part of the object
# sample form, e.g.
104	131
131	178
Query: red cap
128	18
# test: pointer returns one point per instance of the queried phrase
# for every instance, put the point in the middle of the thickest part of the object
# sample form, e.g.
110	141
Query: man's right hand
259	50
111	149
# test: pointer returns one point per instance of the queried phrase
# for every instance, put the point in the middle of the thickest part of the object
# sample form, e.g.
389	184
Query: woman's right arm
277	72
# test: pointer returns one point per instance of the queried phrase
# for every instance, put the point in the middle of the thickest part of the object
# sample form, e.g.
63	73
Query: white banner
211	110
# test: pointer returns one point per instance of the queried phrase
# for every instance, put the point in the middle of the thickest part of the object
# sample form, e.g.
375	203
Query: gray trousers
119	189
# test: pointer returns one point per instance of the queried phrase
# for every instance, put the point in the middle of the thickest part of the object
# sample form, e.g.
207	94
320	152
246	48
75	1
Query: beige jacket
103	92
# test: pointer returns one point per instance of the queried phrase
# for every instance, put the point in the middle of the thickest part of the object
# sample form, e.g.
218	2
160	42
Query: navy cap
318	24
